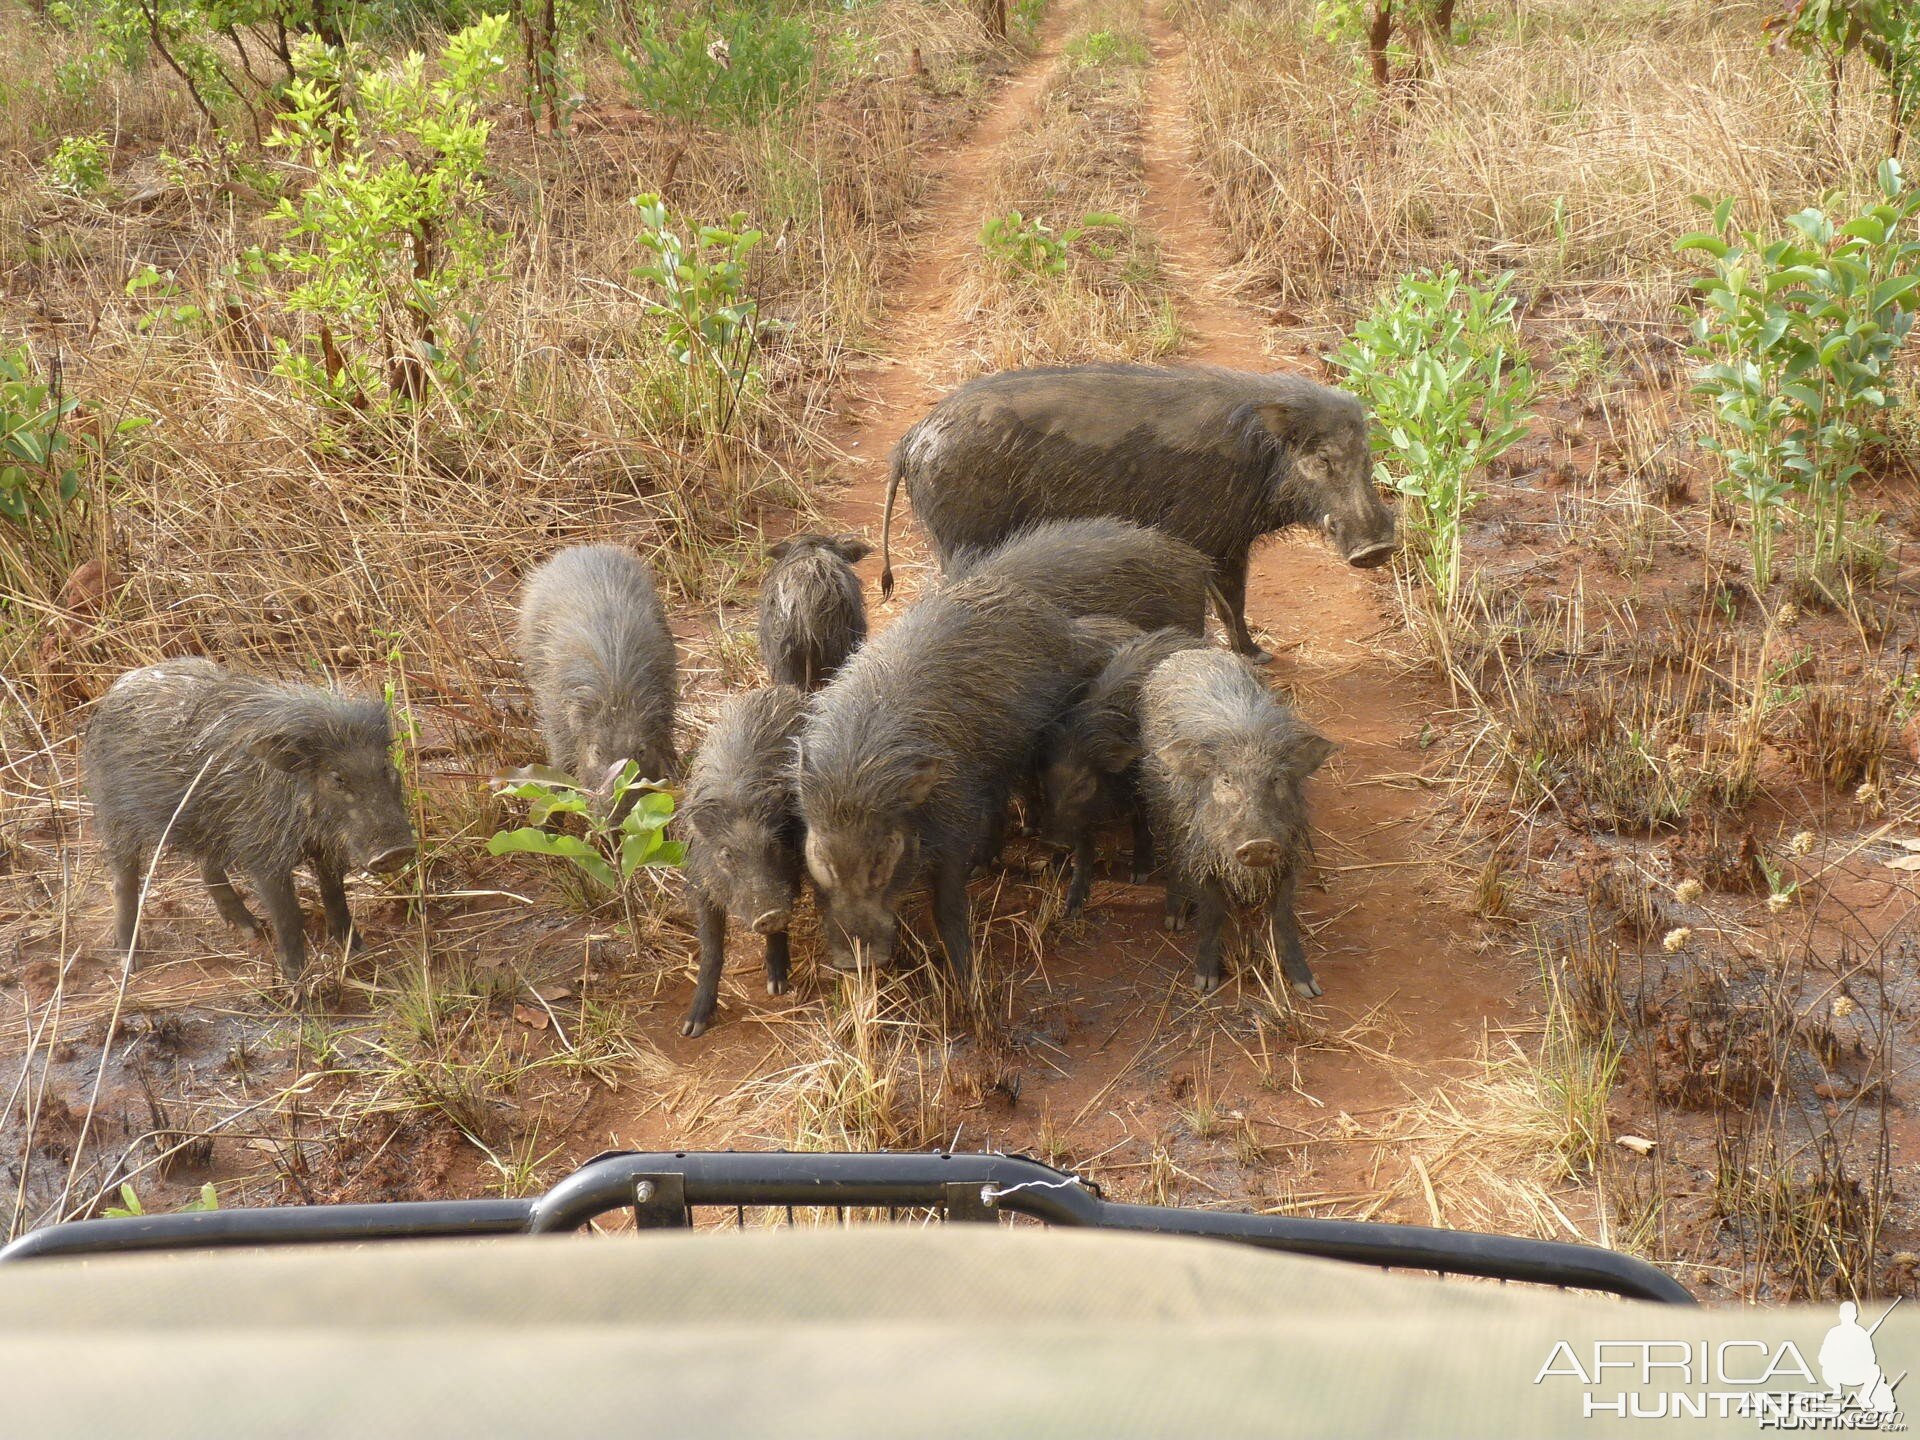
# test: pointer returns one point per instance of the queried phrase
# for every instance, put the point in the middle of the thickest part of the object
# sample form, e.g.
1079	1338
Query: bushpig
1225	769
743	849
1216	458
908	756
1089	759
811	614
600	662
1102	566
244	774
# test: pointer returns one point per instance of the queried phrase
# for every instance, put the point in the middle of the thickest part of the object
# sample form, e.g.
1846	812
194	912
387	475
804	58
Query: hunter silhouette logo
1767	1381
1847	1361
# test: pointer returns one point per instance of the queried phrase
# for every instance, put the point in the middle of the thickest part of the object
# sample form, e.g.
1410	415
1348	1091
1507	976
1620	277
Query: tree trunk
1378	34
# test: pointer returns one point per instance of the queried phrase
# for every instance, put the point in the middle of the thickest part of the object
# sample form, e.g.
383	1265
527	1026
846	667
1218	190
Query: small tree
1800	332
1887	32
395	241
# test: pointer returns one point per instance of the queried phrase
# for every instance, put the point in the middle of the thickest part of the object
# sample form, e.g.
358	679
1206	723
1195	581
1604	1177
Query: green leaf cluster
1439	363
1799	332
697	278
389	244
625	822
724	67
1022	245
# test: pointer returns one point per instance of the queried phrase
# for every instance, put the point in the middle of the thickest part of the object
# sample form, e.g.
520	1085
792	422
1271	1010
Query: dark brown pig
1217	458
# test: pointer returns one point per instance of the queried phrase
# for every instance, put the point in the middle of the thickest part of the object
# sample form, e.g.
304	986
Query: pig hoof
777	987
693	1029
1205	984
1176	923
1308	989
1140	877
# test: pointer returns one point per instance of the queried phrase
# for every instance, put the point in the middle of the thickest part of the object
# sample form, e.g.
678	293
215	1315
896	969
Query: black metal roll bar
662	1190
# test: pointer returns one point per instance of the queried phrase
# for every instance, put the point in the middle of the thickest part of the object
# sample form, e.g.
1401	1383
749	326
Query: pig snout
1369	557
770	922
389	859
1258	854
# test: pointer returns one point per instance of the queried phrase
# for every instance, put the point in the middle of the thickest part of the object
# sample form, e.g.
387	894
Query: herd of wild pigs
1084	519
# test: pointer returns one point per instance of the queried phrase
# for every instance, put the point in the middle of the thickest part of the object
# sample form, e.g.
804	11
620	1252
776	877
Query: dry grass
1082	157
1561	140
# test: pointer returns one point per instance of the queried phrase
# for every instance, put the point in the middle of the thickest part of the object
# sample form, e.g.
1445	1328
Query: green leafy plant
1102	47
697	275
1800	332
727	67
1021	245
1887	32
389	245
1415	23
1439	363
38	473
43	460
78	165
623	820
130	1206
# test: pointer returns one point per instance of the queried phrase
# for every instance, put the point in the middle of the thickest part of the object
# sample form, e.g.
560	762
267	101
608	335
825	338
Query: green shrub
698	279
42	460
1887	32
78	165
1800	332
1020	245
1101	47
389	244
1440	365
728	67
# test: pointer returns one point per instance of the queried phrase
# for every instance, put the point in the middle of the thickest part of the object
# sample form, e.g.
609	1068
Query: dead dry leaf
527	1015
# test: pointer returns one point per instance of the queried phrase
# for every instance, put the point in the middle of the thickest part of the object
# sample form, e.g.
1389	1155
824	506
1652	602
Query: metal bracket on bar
966	1200
660	1202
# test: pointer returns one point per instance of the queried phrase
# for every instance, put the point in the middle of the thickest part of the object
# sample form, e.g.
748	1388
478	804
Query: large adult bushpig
811	614
1225	770
1102	566
743	843
908	757
1089	759
600	661
1216	458
244	774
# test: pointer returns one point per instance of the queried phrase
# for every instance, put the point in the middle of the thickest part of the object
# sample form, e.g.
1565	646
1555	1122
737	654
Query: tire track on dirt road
1390	927
1389	939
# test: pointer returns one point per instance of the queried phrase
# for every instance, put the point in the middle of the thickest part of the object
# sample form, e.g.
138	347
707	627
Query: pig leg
1230	600
1286	935
950	916
227	900
333	899
1082	872
282	905
713	951
1208	971
126	902
1179	905
1142	845
778	953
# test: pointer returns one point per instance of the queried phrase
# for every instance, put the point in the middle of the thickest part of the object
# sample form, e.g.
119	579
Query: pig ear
778	550
922	773
817	861
289	750
1184	757
1112	755
850	548
1305	751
